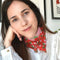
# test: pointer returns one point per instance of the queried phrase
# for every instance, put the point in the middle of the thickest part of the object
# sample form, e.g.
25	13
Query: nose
23	21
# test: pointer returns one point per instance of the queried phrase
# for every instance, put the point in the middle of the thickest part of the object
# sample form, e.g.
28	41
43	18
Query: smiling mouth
27	29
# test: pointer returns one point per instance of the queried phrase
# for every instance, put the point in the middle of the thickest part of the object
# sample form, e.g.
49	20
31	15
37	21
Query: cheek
15	26
34	22
33	19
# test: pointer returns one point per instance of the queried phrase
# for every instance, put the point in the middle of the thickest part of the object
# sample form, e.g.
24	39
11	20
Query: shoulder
58	35
51	35
48	33
58	32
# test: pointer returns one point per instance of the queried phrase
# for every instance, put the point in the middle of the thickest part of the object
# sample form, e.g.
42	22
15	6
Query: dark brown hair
20	47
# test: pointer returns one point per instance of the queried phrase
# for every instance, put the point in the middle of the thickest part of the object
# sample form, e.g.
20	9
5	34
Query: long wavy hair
20	47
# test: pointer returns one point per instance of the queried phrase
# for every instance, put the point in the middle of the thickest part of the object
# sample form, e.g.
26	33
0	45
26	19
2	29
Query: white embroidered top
53	50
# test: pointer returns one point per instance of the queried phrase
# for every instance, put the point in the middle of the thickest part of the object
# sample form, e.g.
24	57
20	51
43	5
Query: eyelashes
24	15
14	20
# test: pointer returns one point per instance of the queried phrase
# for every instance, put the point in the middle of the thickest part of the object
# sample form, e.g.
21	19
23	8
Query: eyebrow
21	12
24	10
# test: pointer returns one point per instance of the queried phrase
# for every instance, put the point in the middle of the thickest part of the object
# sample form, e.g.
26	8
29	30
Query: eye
26	13
14	20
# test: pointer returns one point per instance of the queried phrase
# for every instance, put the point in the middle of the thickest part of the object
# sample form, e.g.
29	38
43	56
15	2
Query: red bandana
38	43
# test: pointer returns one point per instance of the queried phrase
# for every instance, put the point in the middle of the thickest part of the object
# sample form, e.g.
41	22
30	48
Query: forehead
16	7
18	3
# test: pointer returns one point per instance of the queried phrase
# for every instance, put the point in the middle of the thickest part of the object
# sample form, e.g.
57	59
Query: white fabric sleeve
58	45
10	54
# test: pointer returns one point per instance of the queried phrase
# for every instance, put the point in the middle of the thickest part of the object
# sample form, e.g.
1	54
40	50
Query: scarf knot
38	43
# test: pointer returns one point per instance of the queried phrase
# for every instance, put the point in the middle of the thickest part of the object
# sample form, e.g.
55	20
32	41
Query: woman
24	33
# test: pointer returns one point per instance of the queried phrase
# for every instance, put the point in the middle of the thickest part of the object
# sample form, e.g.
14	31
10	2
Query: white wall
53	24
2	0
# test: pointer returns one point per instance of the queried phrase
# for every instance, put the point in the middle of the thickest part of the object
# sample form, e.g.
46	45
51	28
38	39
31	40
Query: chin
30	36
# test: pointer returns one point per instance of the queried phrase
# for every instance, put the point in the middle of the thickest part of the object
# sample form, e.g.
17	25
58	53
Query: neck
37	33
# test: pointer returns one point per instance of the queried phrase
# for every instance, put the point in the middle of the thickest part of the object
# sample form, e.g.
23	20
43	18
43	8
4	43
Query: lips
27	28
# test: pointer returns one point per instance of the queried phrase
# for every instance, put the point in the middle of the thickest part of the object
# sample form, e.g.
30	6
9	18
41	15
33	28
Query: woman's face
22	19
